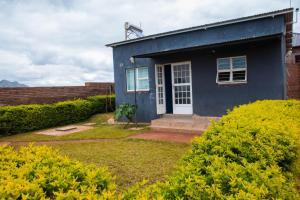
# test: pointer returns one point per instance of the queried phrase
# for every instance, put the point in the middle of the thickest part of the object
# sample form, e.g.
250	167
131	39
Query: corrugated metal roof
205	26
296	39
209	46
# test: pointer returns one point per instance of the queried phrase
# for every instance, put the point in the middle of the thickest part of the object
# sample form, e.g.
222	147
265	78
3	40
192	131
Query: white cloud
61	42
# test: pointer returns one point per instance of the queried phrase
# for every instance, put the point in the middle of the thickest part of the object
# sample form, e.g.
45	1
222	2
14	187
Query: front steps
181	123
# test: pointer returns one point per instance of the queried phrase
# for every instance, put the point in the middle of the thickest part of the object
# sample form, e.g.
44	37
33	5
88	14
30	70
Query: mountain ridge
6	83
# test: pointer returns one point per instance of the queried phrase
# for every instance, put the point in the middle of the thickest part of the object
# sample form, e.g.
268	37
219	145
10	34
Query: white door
182	88
160	89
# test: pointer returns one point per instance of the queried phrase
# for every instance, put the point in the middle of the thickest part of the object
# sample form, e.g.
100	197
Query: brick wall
293	75
41	95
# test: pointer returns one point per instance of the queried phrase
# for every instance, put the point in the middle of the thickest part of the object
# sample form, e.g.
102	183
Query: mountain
6	83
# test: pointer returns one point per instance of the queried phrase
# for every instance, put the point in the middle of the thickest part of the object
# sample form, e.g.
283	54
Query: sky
62	42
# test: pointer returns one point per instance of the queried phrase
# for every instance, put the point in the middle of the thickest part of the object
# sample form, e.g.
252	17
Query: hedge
39	172
23	118
251	153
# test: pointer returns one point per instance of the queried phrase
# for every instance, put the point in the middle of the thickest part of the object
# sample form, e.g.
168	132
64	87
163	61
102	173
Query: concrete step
172	122
174	116
182	123
177	129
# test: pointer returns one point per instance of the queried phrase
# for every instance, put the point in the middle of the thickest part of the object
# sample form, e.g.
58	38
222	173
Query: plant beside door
126	110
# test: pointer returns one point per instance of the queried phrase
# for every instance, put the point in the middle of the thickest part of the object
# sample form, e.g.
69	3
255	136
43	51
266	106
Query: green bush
39	172
126	110
251	153
102	103
23	118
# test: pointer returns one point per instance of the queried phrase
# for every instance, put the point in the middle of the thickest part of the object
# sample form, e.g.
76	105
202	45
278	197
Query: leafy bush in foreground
38	172
251	153
23	118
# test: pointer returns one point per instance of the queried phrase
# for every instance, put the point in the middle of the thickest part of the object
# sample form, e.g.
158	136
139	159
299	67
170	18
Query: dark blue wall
264	59
265	79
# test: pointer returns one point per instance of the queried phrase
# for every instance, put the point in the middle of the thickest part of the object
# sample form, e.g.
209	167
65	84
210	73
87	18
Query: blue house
204	70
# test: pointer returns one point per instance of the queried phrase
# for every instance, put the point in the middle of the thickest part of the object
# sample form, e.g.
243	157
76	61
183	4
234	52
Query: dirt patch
166	136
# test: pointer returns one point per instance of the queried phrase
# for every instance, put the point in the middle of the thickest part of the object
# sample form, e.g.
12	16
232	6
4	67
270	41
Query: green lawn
130	160
100	131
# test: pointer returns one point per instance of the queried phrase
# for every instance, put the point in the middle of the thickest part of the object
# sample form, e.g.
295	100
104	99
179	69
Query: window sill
138	91
232	83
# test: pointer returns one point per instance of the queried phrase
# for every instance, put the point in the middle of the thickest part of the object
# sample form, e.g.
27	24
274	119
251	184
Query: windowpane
223	63
232	69
142	72
224	76
181	73
130	79
239	62
143	84
142	78
159	75
160	95
239	76
182	94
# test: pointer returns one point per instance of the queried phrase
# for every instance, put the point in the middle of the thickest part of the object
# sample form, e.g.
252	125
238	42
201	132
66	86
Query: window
142	79
232	70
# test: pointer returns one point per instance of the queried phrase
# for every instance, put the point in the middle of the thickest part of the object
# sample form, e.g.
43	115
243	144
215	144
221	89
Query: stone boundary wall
45	95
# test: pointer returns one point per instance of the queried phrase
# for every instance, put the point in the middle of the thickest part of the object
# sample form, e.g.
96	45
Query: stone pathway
165	136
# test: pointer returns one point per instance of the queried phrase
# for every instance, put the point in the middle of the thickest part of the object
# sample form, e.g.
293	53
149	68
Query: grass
130	160
99	131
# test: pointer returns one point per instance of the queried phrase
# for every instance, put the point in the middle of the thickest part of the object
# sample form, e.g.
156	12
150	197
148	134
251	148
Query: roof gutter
203	27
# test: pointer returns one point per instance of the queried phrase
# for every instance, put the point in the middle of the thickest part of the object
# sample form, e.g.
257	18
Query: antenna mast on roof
132	31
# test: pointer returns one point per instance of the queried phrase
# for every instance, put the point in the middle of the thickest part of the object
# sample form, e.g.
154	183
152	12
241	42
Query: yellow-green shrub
23	118
251	153
39	172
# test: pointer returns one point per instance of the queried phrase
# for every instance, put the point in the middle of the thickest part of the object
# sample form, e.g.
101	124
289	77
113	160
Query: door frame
160	109
172	79
190	84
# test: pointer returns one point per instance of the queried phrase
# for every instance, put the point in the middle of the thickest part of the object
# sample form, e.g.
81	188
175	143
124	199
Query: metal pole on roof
132	60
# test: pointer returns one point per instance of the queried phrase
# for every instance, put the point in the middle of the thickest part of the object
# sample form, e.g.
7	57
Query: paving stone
55	132
66	128
89	124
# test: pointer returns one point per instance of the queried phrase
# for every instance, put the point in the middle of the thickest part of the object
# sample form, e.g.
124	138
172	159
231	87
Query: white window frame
231	70
137	79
